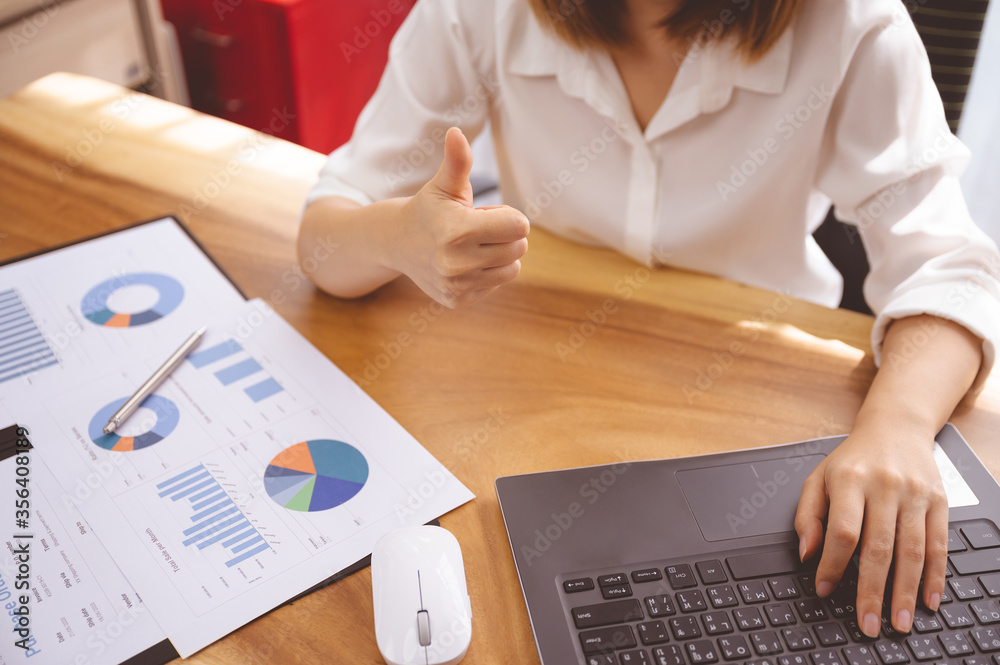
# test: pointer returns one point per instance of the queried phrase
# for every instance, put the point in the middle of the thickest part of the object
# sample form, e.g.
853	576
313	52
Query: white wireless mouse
423	615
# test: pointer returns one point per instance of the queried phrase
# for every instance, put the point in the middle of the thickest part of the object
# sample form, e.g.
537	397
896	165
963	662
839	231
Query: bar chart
233	366
215	519
23	348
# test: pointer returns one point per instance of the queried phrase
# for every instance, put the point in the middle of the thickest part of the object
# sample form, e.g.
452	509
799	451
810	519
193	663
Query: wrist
387	224
896	422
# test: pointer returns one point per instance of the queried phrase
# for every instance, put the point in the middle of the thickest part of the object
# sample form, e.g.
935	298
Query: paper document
253	473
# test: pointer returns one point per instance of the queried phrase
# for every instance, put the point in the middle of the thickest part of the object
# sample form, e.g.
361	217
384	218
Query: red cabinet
298	69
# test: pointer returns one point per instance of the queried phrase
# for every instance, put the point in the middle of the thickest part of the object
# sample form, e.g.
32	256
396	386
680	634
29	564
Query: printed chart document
83	610
256	471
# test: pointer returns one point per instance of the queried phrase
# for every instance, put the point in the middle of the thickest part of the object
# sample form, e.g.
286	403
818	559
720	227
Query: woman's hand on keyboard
882	488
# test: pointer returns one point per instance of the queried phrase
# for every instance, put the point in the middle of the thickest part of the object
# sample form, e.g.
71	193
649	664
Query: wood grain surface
586	358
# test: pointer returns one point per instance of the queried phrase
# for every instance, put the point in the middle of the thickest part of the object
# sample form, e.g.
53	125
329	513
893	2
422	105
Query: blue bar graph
23	348
263	390
215	519
241	365
201	358
240	370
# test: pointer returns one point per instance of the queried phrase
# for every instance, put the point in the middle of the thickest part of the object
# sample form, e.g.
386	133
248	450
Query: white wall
980	129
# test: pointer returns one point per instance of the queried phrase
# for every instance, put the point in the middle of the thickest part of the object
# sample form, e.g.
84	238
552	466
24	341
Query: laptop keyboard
761	608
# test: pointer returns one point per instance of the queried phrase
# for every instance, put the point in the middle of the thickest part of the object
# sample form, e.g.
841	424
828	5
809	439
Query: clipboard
164	651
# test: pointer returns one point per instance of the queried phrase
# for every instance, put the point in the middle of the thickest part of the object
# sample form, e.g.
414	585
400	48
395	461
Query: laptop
693	561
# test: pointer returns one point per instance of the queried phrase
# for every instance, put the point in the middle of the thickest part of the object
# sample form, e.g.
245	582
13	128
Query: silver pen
154	381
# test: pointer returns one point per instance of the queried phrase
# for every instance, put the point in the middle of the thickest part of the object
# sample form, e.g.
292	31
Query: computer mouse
423	615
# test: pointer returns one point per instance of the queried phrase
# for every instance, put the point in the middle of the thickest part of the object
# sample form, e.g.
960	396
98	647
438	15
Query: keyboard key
660	605
685	628
979	561
859	655
722	596
830	634
965	588
783	587
717	623
855	632
617	591
793	659
764	564
825	657
981	536
647	575
762	661
604	614
691	601
734	647
955	543
637	657
766	642
987	612
946	596
671	654
711	572
841	603
652	632
923	648
581	584
955	644
798	638
891	653
681	577
987	639
925	621
607	639
702	651
601	659
612	580
977	660
991	583
808	583
753	592
811	609
748	618
780	614
956	617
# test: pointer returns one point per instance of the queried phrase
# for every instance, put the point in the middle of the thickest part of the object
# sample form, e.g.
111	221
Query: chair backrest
950	30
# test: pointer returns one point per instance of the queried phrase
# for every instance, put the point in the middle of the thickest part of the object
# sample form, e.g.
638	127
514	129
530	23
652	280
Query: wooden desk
586	358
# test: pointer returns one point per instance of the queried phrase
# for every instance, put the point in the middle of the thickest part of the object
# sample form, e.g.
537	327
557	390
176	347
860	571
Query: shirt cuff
330	183
967	303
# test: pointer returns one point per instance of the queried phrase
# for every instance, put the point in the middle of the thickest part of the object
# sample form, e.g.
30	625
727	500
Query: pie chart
95	303
167	417
316	475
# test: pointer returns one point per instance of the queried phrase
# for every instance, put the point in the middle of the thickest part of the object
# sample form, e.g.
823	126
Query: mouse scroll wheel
424	628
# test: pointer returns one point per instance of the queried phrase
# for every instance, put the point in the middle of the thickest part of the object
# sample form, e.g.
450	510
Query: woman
713	135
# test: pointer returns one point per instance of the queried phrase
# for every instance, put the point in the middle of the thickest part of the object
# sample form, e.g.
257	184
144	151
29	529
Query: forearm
344	247
928	365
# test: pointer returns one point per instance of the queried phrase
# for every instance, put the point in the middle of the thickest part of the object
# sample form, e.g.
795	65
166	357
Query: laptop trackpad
739	500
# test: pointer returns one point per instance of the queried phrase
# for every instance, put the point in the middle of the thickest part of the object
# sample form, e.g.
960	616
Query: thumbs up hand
455	253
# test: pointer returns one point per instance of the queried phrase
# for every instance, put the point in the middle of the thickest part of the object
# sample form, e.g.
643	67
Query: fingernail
824	589
871	625
802	548
903	621
935	602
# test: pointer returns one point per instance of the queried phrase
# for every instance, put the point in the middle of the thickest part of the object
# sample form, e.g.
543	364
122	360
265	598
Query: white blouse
732	174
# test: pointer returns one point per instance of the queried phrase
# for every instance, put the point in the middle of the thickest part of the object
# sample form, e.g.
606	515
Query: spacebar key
779	562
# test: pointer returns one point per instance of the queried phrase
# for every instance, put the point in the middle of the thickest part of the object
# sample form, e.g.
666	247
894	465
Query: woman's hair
755	25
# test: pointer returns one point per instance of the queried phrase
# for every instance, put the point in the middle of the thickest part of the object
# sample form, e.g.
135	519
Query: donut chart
167	417
316	475
95	304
